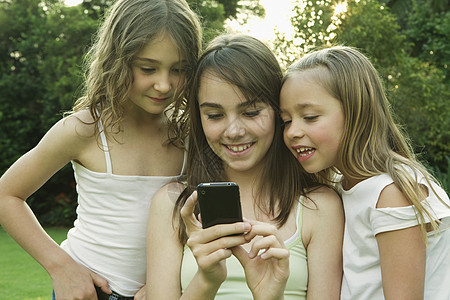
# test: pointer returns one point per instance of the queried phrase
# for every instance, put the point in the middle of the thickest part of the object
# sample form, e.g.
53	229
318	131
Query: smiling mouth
239	148
159	99
303	151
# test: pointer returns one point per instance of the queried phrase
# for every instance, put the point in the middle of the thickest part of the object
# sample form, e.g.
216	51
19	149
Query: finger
264	244
276	253
206	261
100	282
223	230
241	255
140	295
262	229
200	248
187	213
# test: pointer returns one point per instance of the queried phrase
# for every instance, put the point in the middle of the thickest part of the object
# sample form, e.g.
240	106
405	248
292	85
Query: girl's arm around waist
61	144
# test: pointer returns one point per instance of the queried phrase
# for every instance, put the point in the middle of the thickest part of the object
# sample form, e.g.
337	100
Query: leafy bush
43	43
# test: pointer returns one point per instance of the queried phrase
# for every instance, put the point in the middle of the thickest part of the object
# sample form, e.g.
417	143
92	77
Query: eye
252	113
179	70
214	116
286	123
147	70
311	118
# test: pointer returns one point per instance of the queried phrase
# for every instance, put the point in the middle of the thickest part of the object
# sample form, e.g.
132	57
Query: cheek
212	131
264	125
286	138
139	82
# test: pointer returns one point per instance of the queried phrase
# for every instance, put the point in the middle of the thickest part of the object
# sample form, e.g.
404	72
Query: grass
21	277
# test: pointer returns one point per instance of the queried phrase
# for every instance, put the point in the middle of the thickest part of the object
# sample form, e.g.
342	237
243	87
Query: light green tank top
235	287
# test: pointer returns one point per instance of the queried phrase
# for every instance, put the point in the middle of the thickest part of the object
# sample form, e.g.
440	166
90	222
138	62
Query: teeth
239	148
304	150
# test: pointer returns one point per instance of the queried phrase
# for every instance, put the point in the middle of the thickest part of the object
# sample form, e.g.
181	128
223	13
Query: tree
411	55
415	79
42	44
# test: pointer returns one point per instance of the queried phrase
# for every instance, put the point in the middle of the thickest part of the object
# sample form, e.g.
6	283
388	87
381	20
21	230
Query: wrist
57	264
203	287
270	296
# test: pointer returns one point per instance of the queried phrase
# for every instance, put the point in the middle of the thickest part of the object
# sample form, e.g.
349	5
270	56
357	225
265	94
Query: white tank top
109	234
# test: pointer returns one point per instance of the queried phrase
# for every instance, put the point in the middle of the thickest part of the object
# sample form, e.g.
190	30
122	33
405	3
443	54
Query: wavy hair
372	143
128	26
250	65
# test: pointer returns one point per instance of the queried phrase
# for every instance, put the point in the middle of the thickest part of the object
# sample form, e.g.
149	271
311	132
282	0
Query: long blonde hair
372	143
128	26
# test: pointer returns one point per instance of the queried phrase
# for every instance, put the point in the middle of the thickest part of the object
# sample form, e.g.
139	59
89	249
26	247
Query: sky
278	15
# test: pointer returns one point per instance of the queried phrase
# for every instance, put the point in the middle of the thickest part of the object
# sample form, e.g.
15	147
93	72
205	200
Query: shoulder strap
183	169
105	147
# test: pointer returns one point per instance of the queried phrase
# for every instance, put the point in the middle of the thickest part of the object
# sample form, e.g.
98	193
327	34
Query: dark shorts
114	296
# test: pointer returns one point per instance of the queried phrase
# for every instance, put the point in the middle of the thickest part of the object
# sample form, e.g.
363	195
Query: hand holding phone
219	203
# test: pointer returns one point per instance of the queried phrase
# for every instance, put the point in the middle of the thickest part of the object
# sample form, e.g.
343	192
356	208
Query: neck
248	181
138	118
348	182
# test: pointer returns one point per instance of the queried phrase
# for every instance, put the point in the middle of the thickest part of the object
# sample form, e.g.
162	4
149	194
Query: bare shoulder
161	222
80	124
69	136
323	198
323	216
392	196
168	195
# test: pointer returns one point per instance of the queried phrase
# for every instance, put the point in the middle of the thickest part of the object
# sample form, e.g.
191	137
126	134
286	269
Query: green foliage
313	26
412	56
370	26
416	87
96	8
428	29
212	16
443	177
42	44
419	97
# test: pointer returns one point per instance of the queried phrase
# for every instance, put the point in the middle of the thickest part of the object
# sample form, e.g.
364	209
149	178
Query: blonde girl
117	139
338	122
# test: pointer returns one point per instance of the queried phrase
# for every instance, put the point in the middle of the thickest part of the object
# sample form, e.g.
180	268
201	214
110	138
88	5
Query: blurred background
42	44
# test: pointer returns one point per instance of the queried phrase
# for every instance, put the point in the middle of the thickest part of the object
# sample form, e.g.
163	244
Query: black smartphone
220	203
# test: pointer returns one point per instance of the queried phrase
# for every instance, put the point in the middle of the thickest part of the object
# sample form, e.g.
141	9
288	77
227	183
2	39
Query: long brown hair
129	25
248	64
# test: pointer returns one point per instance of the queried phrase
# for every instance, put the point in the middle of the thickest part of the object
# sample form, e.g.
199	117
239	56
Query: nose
293	130
235	129
163	83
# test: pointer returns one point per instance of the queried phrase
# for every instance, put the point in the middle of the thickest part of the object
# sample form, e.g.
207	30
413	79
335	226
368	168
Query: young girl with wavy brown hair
117	139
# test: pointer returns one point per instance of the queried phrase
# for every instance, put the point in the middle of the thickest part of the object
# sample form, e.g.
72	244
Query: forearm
19	221
201	288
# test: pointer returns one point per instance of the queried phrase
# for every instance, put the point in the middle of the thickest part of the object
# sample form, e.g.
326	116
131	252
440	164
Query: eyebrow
150	60
240	105
300	106
306	105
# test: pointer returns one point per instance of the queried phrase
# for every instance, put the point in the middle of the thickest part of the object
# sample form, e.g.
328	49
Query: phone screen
219	203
